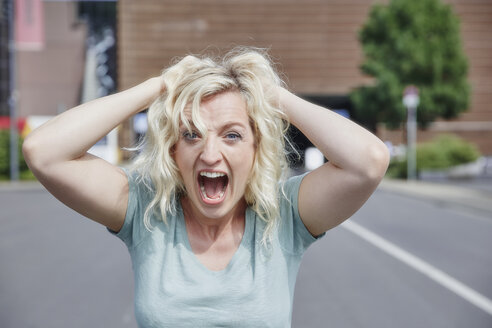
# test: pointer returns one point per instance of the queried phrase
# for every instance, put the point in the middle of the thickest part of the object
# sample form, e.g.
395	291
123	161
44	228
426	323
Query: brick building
49	79
314	41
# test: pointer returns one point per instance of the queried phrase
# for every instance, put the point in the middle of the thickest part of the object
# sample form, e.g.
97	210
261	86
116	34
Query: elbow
377	163
32	154
28	151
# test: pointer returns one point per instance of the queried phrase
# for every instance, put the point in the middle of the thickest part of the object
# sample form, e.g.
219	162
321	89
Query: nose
210	154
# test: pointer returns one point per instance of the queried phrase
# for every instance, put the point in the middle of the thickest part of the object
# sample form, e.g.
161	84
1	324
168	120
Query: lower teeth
204	193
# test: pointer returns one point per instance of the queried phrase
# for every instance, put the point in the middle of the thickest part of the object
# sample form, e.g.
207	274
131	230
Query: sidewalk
7	186
449	194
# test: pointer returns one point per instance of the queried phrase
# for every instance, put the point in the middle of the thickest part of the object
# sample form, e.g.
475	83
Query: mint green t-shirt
174	289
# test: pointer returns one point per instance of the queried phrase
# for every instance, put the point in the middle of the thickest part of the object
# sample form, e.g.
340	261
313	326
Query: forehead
227	106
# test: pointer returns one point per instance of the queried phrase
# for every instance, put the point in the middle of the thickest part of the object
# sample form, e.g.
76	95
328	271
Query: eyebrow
226	125
230	124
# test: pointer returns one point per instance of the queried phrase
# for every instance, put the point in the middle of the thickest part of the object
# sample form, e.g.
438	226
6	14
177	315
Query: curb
480	201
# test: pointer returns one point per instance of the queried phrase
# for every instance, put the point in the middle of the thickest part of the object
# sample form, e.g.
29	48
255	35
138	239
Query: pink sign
29	24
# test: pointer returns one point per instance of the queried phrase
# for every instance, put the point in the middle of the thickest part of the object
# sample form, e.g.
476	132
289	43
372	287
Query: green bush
397	169
5	157
441	153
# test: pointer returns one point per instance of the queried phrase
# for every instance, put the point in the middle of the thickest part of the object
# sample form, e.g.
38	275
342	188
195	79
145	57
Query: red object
411	90
5	123
29	24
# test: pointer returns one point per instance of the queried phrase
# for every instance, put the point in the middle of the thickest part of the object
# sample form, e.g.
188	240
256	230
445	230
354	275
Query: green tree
412	42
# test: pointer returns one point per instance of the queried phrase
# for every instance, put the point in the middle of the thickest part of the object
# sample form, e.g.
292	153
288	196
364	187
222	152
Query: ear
256	133
172	152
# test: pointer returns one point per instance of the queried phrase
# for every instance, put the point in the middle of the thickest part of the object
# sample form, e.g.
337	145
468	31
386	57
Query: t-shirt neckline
183	235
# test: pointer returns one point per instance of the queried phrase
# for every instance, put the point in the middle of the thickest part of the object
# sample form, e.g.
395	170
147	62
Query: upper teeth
212	174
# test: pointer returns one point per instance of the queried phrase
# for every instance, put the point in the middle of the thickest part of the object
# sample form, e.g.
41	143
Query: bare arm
57	154
357	161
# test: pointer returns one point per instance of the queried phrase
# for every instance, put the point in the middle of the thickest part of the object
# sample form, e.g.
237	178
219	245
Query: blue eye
190	135
233	136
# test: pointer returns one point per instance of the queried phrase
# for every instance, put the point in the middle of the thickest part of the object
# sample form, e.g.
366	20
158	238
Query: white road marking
433	273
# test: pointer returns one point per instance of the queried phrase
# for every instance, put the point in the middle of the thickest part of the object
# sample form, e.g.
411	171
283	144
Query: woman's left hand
357	161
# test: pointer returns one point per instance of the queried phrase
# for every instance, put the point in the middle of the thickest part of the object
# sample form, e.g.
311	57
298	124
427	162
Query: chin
214	210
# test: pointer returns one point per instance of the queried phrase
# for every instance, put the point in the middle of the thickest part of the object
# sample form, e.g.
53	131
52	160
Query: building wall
49	81
314	41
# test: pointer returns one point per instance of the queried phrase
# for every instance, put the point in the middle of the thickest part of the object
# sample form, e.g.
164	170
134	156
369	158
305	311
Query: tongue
213	186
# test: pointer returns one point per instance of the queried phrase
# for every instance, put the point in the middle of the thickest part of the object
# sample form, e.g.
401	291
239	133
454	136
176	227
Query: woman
215	236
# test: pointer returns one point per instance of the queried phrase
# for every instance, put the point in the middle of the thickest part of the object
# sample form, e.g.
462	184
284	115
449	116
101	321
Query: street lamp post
411	101
14	158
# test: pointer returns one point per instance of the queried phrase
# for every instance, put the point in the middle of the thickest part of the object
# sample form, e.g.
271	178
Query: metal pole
411	141
14	158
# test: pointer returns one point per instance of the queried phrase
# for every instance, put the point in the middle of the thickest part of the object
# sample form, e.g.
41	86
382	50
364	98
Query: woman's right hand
57	154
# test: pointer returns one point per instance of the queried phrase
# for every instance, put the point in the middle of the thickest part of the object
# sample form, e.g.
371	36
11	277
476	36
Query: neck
213	228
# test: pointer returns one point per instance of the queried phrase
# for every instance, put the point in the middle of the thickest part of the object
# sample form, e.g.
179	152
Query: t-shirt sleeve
138	197
293	234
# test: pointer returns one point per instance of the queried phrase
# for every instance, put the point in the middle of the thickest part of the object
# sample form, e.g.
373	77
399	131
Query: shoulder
290	187
139	185
293	234
138	222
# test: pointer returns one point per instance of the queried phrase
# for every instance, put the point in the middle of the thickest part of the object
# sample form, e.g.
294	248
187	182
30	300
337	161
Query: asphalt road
346	281
58	269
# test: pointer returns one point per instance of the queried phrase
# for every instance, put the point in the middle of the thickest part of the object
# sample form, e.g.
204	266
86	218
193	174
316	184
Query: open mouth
212	186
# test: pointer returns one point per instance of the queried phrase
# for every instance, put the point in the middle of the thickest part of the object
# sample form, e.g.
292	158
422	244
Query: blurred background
416	73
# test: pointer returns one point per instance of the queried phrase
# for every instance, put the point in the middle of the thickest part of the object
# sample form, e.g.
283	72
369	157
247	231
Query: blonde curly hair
245	70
